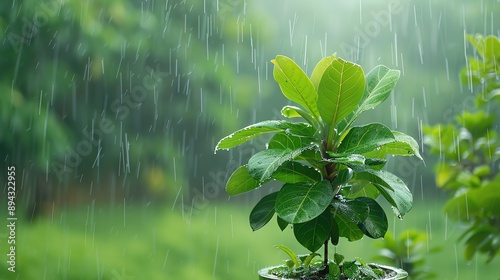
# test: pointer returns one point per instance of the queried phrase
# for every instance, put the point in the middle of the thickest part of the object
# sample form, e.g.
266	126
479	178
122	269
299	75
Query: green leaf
250	132
362	139
479	123
476	204
295	172
320	68
390	186
488	47
263	164
375	225
347	228
292	111
309	258
333	270
380	81
338	258
492	48
281	223
346	159
314	233
481	170
241	181
284	141
290	253
343	176
299	203
357	210
295	112
350	269
339	91
375	163
295	84
263	211
404	145
359	188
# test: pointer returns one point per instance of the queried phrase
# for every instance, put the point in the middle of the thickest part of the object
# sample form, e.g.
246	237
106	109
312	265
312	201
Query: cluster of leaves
331	170
338	268
408	252
341	269
469	151
297	265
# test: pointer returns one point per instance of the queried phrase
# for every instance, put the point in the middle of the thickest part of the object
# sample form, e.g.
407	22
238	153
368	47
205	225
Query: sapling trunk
325	257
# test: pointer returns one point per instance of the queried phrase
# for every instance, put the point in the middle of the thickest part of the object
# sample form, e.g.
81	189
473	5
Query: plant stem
325	257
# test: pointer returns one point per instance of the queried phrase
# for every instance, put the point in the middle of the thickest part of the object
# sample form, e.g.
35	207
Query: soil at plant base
320	275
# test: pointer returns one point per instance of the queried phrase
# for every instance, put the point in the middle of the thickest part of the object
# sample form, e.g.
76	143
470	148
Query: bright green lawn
152	243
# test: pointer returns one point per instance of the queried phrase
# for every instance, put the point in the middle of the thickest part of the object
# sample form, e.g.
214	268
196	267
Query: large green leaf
483	239
299	203
492	48
390	186
362	139
241	181
488	47
314	233
339	91
404	145
357	210
380	81
263	164
295	172
283	140
359	188
295	84
250	132
263	211
347	228
476	204
320	68
375	225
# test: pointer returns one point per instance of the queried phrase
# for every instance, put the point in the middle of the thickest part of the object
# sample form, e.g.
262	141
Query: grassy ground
143	242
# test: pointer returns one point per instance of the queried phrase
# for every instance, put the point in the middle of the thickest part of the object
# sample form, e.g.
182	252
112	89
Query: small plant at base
338	269
331	170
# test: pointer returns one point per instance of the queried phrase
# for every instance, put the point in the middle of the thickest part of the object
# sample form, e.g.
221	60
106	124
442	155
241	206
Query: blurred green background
110	111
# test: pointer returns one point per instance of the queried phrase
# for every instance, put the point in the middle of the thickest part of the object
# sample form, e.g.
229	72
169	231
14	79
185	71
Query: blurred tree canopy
469	152
120	92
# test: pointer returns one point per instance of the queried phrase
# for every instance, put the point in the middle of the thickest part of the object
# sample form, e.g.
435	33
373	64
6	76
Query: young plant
469	153
331	170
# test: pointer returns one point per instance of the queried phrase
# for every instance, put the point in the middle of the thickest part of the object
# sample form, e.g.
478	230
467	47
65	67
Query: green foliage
469	153
151	71
330	169
409	251
338	269
297	265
